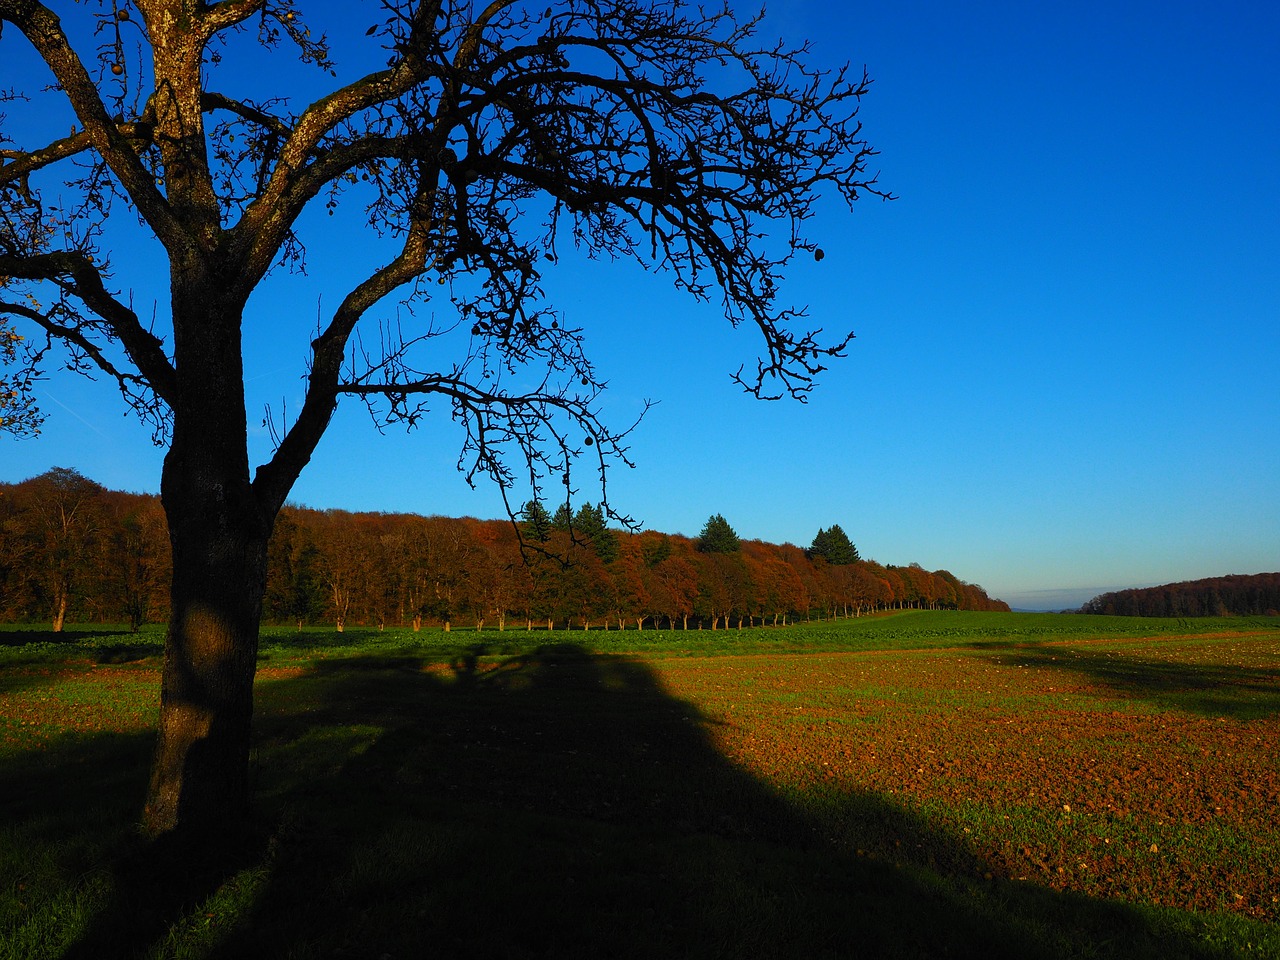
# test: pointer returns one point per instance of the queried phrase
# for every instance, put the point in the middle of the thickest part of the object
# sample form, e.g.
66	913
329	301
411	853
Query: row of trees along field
1236	595
73	550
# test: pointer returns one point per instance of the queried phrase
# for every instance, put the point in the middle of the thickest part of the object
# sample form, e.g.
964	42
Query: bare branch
662	133
43	29
21	163
229	13
75	275
548	426
276	478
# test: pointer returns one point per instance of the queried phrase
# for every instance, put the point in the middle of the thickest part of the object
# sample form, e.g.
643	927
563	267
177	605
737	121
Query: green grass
904	630
545	795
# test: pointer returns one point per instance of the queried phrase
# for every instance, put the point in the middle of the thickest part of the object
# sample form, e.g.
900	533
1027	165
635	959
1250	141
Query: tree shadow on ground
22	637
26	673
127	652
70	810
561	805
1207	689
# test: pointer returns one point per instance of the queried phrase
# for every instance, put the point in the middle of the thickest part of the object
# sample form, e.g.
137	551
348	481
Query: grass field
918	785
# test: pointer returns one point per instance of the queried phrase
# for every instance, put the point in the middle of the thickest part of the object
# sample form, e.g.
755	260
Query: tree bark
60	611
200	774
218	533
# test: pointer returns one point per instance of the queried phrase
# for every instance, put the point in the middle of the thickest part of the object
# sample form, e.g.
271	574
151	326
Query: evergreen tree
655	550
717	536
562	519
834	546
535	522
589	525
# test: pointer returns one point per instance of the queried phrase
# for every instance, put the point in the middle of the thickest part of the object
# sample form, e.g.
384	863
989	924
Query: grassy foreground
920	785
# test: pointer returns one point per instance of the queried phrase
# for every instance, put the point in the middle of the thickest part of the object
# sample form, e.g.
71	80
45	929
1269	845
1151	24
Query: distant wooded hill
72	550
1235	595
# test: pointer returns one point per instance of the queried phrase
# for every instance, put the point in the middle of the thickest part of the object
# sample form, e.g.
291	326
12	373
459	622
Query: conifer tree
562	519
717	536
589	525
535	522
833	545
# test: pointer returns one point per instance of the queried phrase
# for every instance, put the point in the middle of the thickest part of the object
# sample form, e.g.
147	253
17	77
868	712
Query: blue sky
1065	372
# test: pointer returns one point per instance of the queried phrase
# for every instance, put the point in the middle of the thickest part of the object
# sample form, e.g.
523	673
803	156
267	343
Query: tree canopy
717	536
833	545
477	145
536	522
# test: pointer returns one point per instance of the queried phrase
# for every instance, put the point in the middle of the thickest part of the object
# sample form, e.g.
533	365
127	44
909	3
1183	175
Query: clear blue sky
1065	378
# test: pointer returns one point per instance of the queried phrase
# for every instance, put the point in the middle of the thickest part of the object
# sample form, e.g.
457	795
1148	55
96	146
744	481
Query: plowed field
1144	770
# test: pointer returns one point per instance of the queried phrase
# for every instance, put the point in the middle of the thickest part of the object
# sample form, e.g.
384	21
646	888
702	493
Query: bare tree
493	136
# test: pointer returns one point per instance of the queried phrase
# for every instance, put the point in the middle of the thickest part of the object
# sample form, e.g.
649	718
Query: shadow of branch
1204	688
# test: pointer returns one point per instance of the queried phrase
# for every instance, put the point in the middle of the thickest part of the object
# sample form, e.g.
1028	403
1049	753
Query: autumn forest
71	550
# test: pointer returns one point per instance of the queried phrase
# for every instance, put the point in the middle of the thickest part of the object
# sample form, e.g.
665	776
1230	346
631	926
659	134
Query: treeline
1236	595
71	550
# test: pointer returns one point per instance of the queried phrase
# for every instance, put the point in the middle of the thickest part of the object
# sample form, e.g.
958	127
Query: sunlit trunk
60	611
200	773
218	534
200	776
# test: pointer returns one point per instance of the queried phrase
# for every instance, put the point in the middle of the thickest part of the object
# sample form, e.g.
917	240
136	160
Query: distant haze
1064	598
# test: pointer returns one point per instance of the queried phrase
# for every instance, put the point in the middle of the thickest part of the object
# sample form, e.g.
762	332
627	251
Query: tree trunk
60	611
218	533
200	774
